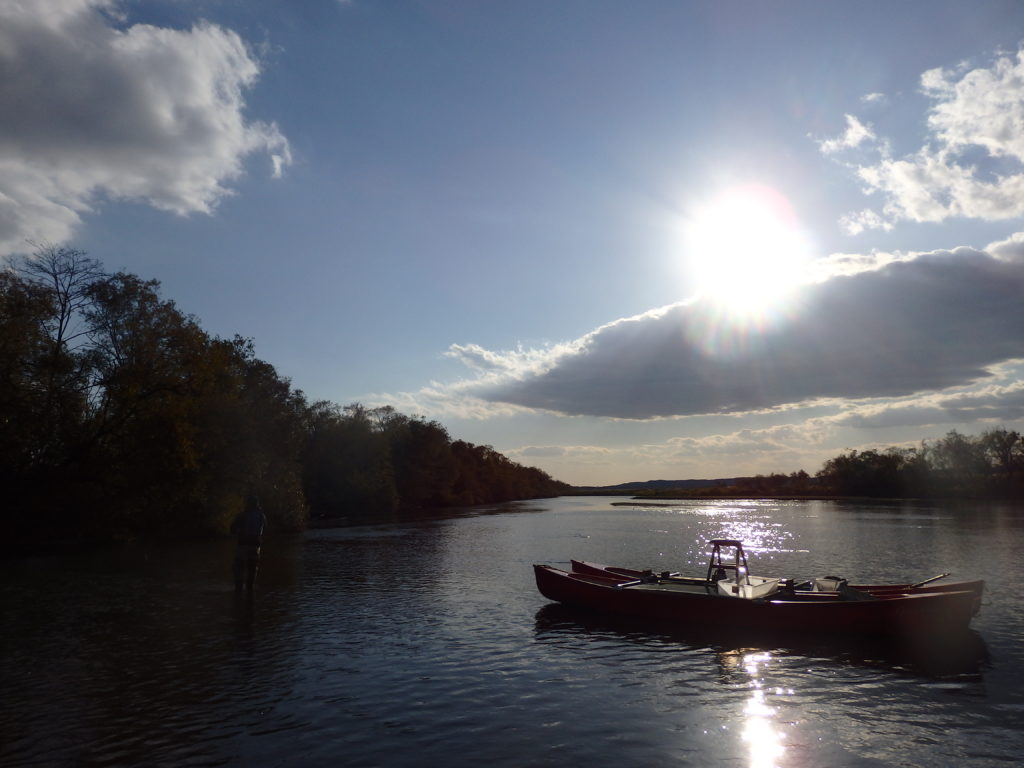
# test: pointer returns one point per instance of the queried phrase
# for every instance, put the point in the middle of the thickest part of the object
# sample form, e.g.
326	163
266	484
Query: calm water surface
427	643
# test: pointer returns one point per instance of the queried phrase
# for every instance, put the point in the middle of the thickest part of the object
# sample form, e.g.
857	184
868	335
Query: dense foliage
357	459
121	417
991	464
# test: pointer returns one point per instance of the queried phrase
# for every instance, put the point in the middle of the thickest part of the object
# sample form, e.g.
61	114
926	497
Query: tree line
989	465
120	417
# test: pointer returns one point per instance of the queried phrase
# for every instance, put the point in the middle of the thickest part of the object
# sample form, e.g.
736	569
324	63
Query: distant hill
655	485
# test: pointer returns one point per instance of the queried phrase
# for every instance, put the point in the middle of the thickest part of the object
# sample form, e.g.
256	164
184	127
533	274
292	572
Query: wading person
249	528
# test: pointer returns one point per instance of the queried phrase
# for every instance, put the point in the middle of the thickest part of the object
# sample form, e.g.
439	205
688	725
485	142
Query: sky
616	241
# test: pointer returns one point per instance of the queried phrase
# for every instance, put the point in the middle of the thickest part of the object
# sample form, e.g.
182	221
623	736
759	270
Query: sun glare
746	250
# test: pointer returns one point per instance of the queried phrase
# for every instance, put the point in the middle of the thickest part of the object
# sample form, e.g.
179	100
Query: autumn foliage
120	417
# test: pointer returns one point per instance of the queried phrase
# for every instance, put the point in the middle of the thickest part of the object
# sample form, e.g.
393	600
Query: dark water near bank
427	643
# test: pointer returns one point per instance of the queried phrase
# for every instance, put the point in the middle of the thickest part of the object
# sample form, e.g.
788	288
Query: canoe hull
976	587
704	608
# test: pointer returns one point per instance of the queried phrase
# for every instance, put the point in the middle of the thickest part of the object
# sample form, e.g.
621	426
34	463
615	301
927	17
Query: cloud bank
938	320
93	110
997	402
970	165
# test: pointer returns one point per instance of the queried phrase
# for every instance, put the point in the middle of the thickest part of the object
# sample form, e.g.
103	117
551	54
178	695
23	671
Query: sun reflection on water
762	737
751	523
764	740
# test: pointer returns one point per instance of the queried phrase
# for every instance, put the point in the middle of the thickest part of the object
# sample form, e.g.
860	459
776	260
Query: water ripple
413	645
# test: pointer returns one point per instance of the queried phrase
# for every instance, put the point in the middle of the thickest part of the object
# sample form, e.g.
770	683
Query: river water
426	643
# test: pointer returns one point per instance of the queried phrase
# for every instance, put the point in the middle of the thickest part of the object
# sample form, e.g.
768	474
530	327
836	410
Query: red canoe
976	587
705	606
729	597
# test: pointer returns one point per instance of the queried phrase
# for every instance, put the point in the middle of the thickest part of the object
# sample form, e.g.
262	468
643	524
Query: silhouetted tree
121	417
422	461
955	465
346	464
1003	448
866	473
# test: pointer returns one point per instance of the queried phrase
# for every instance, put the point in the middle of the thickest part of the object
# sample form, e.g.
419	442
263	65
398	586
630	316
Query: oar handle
929	581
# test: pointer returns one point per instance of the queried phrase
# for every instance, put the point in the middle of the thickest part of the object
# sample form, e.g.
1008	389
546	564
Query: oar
928	581
628	584
659	579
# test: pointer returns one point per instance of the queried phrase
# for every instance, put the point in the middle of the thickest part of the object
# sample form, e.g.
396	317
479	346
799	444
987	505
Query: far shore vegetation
122	419
957	466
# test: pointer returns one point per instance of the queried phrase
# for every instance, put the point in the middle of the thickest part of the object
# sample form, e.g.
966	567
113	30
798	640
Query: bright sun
746	250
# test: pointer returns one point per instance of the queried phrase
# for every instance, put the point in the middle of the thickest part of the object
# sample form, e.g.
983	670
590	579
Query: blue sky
618	241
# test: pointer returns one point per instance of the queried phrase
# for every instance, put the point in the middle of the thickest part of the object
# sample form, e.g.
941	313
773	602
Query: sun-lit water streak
760	732
764	739
748	522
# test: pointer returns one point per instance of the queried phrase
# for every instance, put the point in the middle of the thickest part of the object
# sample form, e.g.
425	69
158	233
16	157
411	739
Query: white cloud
1011	249
970	164
905	325
543	451
982	107
996	402
93	110
746	442
445	400
480	359
855	223
856	134
517	363
840	264
932	186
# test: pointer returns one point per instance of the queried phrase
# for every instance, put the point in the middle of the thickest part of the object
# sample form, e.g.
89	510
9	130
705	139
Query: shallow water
422	643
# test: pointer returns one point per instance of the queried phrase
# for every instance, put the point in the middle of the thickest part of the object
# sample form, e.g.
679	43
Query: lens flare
746	251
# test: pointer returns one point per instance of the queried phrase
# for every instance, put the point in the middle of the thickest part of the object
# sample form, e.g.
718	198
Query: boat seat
763	588
828	584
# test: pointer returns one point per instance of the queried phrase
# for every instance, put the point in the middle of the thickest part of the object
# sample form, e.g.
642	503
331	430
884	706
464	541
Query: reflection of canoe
819	587
680	602
943	654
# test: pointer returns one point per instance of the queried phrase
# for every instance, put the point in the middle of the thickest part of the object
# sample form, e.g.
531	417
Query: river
426	643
